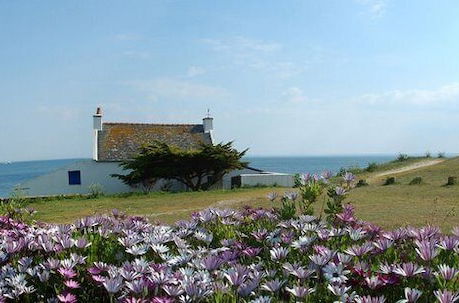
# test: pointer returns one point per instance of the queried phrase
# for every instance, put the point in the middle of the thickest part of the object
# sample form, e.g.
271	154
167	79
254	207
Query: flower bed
226	256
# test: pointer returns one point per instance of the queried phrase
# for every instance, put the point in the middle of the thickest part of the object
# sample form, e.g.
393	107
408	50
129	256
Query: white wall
267	179
92	172
250	177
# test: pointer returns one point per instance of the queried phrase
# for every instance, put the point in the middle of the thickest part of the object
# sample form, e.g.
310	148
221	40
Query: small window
74	177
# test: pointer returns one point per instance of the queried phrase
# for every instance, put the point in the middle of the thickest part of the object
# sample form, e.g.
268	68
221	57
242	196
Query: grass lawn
389	206
165	207
401	204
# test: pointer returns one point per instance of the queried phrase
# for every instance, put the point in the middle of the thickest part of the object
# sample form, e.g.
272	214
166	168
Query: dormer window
74	177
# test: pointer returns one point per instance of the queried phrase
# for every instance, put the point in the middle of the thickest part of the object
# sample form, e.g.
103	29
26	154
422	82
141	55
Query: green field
389	206
401	204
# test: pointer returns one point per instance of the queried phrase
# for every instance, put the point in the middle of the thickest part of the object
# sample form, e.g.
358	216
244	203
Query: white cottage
115	142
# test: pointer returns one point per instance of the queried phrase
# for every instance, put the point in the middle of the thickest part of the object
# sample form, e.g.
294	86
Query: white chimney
97	126
97	119
207	123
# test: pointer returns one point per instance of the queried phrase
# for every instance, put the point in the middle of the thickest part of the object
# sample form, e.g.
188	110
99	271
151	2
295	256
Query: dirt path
407	168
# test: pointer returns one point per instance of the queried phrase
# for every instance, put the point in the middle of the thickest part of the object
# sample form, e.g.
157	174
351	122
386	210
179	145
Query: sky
279	77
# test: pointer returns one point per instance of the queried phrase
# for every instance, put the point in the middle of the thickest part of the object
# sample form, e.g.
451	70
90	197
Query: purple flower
172	290
237	275
211	262
272	196
248	287
67	297
327	175
273	285
370	299
335	273
408	269
348	177
162	300
382	244
374	282
411	295
299	291
446	296
72	284
133	300
339	191
426	249
113	285
279	253
448	243
260	235
251	251
67	273
82	243
446	272
359	250
291	195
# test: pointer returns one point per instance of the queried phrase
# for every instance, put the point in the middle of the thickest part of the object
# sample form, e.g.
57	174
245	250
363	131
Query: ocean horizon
14	173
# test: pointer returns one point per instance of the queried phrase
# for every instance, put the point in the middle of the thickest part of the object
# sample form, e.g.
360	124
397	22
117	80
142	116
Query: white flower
335	274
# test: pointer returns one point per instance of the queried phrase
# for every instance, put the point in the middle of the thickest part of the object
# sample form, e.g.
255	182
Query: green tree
198	168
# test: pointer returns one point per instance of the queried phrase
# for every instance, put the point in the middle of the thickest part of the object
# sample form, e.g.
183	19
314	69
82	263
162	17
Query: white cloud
375	8
259	55
194	71
175	89
441	96
295	95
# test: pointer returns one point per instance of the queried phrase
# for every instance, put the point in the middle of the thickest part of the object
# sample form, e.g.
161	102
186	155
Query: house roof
121	141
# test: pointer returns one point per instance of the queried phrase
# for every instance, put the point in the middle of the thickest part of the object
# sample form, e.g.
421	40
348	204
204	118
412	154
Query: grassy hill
430	202
389	206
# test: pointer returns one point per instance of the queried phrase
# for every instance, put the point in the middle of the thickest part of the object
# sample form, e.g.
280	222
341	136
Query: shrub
428	155
353	170
389	181
451	180
362	182
416	180
95	190
372	167
166	186
402	157
441	155
297	179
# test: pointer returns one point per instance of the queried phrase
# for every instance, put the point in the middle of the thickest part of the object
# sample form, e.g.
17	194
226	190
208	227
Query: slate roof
121	141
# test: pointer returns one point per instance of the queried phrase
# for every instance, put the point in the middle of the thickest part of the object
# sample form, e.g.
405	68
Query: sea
12	174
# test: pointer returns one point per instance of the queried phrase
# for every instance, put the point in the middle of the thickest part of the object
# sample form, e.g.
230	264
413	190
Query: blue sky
280	77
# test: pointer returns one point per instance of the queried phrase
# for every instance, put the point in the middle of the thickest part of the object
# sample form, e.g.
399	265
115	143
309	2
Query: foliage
15	207
441	155
389	181
451	181
428	155
96	190
416	180
198	169
372	167
402	157
361	182
310	189
297	179
353	170
251	255
166	186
